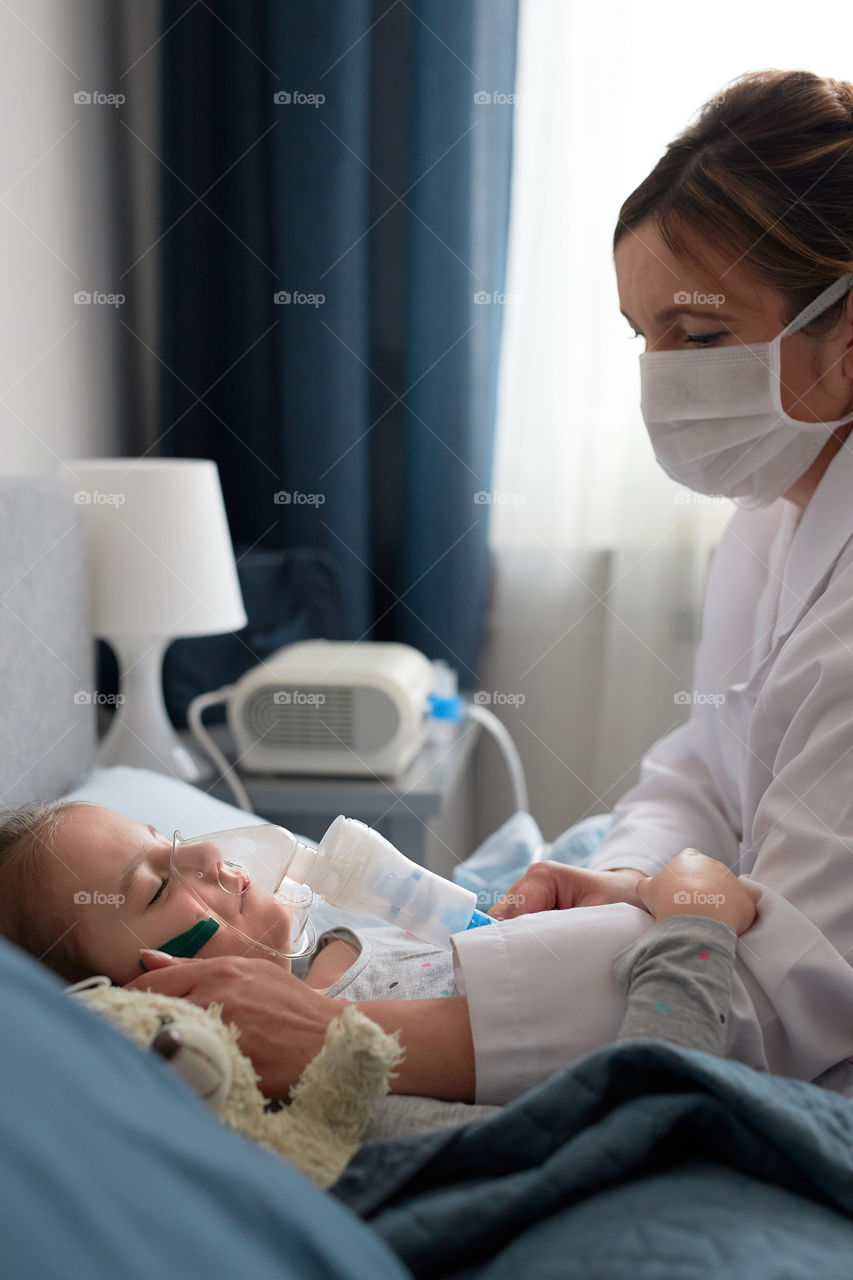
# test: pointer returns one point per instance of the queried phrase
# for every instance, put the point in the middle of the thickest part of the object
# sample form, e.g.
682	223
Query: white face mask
716	421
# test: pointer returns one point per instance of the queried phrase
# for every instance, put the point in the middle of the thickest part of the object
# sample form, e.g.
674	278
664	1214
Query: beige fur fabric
330	1107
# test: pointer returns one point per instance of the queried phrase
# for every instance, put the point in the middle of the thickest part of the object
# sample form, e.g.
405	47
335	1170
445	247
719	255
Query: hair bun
843	90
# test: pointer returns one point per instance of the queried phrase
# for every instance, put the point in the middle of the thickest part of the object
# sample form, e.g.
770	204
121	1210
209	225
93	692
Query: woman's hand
693	884
546	886
282	1021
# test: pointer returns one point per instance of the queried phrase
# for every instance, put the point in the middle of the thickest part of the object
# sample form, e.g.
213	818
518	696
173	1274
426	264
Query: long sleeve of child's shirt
678	978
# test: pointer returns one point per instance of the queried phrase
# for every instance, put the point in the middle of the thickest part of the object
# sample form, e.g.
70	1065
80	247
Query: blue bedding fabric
642	1160
508	851
111	1168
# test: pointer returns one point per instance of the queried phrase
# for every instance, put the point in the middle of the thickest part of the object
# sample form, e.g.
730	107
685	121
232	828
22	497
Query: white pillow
167	803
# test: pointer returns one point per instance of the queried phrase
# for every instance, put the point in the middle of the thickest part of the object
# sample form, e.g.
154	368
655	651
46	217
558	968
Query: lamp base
141	733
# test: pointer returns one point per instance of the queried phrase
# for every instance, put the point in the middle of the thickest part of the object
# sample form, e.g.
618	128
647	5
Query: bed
639	1160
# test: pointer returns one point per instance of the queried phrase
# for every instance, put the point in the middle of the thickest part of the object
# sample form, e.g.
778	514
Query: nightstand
426	812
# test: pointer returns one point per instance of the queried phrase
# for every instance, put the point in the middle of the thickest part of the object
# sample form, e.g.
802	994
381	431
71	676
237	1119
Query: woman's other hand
693	884
549	886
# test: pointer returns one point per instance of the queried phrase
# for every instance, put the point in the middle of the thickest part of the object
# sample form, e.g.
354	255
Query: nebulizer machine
353	867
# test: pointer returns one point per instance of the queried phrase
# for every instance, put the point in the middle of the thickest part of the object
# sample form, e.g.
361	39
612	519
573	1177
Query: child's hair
30	916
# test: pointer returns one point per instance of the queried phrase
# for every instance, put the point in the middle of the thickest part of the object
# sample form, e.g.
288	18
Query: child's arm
678	975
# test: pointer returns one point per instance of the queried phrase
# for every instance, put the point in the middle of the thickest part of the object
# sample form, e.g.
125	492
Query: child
85	890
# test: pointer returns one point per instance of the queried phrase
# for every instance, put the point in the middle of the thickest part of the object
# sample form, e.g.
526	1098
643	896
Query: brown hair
29	914
765	175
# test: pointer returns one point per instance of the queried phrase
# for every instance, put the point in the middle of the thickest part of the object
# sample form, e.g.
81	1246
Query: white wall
587	651
64	218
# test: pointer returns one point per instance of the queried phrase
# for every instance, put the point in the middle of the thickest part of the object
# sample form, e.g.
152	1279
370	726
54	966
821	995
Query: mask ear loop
817	305
815	308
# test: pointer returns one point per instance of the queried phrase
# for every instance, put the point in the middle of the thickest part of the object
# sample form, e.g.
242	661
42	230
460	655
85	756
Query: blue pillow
113	1169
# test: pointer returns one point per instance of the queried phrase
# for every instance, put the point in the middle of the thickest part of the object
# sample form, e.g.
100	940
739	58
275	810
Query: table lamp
161	567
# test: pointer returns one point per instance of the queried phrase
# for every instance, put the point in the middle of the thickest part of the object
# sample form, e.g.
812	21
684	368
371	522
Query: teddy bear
329	1108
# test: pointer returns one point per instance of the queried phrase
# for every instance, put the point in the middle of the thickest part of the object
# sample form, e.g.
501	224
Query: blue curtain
335	199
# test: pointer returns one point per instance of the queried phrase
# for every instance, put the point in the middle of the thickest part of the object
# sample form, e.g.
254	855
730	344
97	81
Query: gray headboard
46	652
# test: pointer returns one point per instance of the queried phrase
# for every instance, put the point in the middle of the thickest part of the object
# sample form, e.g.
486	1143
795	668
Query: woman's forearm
439	1048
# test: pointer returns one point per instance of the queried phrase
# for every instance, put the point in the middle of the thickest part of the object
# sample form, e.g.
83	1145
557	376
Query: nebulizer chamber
353	867
356	868
231	864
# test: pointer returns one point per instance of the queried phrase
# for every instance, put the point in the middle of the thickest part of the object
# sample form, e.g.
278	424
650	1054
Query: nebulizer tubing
225	767
446	706
501	735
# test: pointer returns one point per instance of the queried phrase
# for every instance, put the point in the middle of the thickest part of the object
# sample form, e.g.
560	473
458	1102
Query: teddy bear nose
167	1043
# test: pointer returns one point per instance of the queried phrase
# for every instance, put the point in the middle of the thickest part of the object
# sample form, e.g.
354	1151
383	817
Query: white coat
761	777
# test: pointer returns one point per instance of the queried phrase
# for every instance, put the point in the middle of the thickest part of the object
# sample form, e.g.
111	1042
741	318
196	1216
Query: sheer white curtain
599	559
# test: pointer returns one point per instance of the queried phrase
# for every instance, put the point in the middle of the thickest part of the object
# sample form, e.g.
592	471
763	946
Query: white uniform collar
825	527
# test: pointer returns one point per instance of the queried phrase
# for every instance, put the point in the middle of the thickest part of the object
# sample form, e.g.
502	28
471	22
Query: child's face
114	876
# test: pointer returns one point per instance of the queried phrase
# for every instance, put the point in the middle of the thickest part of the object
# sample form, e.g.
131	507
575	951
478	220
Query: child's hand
693	884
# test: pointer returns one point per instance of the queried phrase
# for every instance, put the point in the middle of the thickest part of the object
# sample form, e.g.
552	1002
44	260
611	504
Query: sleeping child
86	890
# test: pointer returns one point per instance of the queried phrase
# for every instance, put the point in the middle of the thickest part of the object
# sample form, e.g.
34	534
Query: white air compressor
331	707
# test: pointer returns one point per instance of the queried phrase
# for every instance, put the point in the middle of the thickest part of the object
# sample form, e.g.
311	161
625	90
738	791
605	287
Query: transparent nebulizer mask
240	864
353	867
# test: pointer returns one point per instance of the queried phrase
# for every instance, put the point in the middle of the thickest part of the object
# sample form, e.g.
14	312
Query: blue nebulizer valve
445	705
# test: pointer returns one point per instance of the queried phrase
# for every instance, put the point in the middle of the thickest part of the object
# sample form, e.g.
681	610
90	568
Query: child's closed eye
164	881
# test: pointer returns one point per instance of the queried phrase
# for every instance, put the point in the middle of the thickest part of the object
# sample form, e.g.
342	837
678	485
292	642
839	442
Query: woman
745	221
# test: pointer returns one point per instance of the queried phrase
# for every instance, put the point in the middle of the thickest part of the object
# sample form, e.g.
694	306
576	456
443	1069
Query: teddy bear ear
89	984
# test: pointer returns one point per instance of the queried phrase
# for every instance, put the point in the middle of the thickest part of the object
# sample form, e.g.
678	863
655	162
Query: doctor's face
675	310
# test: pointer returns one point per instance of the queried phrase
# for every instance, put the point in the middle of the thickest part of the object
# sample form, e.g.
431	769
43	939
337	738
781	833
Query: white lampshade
161	566
160	553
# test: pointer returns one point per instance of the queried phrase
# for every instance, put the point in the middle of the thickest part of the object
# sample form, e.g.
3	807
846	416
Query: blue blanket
640	1160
